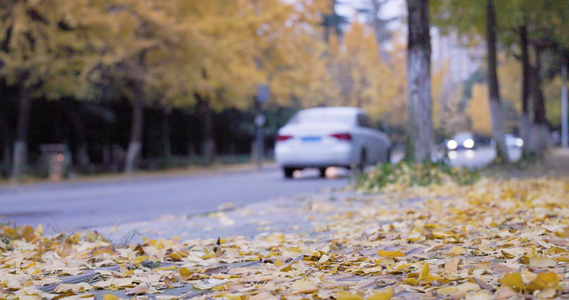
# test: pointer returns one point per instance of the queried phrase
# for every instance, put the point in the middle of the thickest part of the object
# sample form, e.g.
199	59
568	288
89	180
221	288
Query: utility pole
564	122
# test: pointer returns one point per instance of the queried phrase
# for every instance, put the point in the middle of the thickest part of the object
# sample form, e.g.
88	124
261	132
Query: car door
372	139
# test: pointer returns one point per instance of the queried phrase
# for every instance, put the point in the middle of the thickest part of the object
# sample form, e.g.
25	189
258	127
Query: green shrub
415	174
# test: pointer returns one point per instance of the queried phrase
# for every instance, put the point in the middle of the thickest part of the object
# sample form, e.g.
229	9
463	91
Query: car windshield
461	137
321	117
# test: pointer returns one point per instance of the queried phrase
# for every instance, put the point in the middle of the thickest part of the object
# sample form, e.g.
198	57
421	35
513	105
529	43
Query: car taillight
342	136
282	138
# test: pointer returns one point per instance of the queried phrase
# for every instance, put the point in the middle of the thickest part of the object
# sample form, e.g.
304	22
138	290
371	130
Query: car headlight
468	143
452	144
520	142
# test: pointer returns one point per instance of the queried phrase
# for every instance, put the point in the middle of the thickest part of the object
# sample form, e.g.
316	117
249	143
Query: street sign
263	93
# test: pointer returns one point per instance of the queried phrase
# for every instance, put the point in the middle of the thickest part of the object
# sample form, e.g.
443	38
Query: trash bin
53	157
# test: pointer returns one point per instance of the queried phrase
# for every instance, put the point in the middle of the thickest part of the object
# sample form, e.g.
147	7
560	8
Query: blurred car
330	137
513	141
461	141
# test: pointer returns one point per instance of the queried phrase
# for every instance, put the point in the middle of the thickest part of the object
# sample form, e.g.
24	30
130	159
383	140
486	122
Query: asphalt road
82	205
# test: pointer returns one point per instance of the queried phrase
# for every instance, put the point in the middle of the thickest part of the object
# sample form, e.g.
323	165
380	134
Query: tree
419	139
44	53
493	85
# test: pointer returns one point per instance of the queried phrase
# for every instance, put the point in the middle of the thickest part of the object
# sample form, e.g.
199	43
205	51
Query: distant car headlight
468	143
519	142
452	144
452	155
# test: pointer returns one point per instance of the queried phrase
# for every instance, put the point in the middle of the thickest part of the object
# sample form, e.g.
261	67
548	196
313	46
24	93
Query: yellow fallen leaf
278	263
542	261
544	281
110	297
513	280
457	250
385	253
27	232
425	274
341	295
185	273
103	250
303	286
452	265
384	294
39	230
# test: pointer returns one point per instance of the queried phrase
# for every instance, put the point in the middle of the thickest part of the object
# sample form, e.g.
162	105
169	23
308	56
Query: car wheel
322	172
363	161
288	172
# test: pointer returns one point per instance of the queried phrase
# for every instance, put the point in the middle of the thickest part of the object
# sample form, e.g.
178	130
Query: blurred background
107	86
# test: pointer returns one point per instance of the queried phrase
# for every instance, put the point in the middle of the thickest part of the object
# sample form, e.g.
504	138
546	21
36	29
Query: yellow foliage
363	78
478	110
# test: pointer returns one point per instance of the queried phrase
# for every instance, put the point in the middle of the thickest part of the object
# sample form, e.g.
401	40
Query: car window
321	117
364	121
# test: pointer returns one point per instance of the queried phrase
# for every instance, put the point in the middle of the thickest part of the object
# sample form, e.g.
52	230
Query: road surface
83	205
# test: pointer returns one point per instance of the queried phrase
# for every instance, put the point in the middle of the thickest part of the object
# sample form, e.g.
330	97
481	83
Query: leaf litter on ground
494	239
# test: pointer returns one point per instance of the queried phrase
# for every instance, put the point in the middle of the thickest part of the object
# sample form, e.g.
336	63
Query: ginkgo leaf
452	265
513	280
342	295
384	294
385	253
542	261
303	286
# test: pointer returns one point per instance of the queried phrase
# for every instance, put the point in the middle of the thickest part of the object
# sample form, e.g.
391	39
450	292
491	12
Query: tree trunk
167	149
208	148
82	153
494	88
539	132
6	147
419	138
135	143
525	124
21	145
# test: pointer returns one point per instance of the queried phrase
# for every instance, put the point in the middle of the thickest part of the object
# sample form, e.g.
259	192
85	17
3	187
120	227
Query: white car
330	136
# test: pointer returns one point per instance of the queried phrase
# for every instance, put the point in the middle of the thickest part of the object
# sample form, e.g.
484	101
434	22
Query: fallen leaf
542	262
385	253
384	294
452	265
303	286
341	295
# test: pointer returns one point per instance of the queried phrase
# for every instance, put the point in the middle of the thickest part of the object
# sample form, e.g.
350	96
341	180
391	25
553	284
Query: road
83	205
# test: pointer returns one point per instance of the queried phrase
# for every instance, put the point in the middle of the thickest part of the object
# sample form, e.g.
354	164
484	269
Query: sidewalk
501	238
555	163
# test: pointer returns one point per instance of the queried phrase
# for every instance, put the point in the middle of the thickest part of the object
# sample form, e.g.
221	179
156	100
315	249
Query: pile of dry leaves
495	239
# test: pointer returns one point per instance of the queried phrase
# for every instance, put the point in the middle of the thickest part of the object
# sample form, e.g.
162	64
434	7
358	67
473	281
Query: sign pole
564	122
